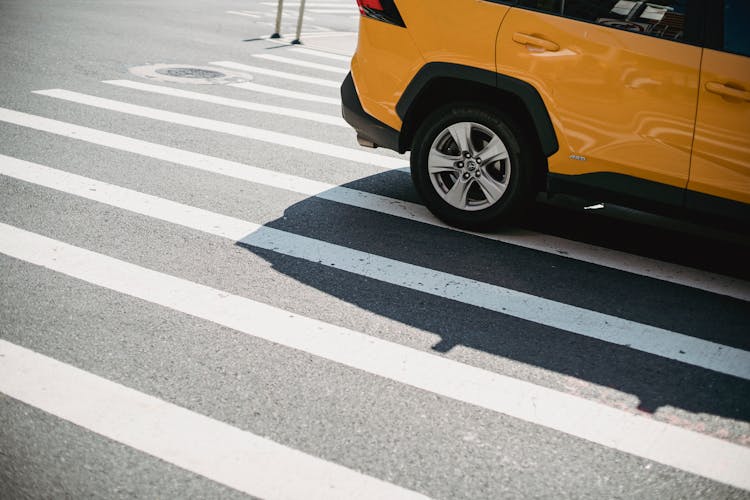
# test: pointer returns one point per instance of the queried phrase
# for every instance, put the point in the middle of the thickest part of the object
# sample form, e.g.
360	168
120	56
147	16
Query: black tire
514	174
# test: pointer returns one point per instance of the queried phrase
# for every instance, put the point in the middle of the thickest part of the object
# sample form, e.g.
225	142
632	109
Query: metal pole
299	22
279	9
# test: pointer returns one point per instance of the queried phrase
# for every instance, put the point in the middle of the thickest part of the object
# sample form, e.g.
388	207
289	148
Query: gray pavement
404	435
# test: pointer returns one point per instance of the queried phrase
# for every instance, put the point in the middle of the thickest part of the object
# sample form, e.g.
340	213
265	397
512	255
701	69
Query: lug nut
466	175
460	164
478	173
467	154
478	160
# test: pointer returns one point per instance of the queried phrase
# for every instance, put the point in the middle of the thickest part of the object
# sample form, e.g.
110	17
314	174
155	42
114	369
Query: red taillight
382	10
370	4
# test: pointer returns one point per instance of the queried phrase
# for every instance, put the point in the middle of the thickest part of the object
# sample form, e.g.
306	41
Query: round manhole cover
190	73
184	73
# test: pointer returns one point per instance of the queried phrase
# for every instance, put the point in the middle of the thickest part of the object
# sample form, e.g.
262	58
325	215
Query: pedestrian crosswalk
642	437
304	96
303	63
213	449
474	293
335	84
407	255
723	285
319	54
235	103
243	131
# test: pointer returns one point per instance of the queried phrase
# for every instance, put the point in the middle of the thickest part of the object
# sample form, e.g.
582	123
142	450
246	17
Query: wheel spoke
492	189
437	162
461	133
456	196
462	154
493	151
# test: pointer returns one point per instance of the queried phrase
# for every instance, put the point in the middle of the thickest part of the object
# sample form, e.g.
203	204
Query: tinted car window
736	18
660	18
552	6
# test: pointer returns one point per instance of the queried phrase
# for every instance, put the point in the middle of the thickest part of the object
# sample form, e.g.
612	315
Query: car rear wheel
468	166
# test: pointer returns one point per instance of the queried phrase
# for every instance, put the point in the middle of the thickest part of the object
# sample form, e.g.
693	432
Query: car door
720	170
620	81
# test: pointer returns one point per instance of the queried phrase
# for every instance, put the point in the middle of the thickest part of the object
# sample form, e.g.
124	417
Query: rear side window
552	6
736	18
660	18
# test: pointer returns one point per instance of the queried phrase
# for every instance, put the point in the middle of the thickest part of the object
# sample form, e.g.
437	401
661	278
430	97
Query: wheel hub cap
469	166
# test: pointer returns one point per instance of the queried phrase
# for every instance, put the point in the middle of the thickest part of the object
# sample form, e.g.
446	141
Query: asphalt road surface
208	290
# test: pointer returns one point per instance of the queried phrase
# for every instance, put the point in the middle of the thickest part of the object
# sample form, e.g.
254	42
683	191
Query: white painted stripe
310	34
573	319
278	74
173	155
246	14
289	25
304	64
549	244
311	4
287	14
315	27
641	436
257	134
127	199
318	53
234	103
332	11
213	449
303	96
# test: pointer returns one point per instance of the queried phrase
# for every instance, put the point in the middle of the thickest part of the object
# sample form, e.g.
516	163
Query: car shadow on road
585	364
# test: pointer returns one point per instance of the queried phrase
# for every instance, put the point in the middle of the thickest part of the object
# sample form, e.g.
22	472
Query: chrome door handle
525	39
727	91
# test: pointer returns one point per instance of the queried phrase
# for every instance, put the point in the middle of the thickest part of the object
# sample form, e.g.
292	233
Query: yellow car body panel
619	101
388	57
721	151
385	62
467	39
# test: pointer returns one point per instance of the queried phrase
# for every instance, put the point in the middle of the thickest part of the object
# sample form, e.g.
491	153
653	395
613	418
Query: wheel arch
438	83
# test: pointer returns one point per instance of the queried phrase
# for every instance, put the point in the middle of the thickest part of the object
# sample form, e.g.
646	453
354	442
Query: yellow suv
639	103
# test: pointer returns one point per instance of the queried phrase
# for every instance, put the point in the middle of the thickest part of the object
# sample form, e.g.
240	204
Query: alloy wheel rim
469	166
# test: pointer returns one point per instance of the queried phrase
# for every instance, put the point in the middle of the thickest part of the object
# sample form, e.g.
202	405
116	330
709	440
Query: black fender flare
524	91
